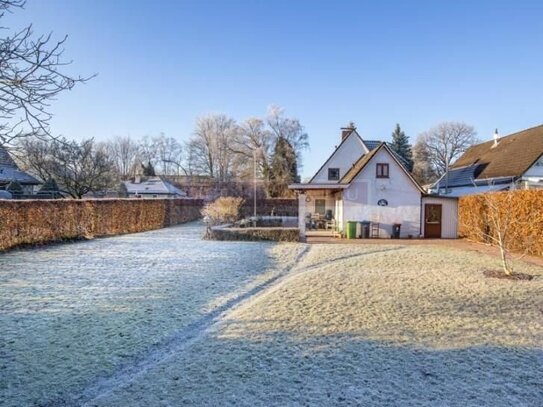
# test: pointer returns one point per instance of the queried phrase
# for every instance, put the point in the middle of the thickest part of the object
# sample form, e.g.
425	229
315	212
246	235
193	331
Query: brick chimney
345	131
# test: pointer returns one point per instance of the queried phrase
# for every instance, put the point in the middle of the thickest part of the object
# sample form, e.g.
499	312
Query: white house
152	187
365	181
514	161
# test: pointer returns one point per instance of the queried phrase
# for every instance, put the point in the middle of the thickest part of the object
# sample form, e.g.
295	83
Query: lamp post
255	153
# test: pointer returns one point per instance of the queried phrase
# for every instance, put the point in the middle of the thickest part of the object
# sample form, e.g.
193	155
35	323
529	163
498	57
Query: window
333	174
320	206
382	170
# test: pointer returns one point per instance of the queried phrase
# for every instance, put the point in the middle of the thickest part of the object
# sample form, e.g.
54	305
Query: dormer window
333	174
382	170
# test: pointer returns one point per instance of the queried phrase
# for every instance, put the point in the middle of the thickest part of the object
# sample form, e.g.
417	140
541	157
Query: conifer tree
283	169
400	144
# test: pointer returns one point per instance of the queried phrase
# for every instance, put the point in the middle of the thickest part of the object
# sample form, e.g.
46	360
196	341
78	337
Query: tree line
219	148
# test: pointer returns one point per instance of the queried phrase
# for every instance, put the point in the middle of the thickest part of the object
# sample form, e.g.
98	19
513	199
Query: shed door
432	220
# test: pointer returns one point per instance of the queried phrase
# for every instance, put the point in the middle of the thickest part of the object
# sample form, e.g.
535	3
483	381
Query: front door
432	221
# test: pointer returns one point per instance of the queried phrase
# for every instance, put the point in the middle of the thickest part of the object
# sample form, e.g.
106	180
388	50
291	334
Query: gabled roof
5	158
359	166
8	174
336	149
366	159
153	186
512	157
9	171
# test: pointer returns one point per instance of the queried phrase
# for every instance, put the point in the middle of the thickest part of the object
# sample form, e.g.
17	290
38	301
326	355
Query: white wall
449	215
344	157
361	197
535	172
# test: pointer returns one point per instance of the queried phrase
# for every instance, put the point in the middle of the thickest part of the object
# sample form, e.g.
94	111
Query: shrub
223	210
521	210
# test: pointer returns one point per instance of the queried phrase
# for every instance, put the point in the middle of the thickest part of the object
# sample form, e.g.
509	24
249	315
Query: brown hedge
256	234
24	222
524	205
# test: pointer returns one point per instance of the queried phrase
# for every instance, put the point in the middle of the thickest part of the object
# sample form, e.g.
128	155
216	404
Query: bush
223	210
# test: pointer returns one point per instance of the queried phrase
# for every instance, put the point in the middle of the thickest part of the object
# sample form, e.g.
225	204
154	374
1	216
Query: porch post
301	214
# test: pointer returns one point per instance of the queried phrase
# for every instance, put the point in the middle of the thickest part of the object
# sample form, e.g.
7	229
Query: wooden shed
439	217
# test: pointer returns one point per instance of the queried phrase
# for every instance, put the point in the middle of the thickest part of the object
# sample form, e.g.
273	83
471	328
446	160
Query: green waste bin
351	230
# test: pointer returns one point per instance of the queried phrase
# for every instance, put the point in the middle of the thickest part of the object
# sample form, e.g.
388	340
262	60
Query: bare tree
446	142
170	156
498	225
30	78
78	167
423	170
209	146
123	151
251	138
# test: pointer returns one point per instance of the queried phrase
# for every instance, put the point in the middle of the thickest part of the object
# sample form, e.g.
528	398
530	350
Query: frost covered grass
365	325
72	313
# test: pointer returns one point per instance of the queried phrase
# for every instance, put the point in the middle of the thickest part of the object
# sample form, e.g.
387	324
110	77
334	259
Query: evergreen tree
149	170
283	169
400	144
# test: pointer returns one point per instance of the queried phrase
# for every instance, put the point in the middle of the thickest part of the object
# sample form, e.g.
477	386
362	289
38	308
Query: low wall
24	222
279	206
255	234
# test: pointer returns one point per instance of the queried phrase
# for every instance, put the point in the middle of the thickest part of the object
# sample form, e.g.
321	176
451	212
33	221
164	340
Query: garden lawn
365	325
74	313
165	319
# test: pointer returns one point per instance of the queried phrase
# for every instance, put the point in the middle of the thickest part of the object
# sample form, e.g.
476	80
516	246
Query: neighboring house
152	187
365	181
514	161
10	172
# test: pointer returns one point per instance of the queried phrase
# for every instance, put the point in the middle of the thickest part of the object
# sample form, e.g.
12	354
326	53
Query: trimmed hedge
255	234
524	205
40	221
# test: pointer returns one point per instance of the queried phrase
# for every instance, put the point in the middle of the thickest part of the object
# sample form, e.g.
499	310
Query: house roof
344	138
365	159
5	158
153	186
9	171
512	157
359	166
317	186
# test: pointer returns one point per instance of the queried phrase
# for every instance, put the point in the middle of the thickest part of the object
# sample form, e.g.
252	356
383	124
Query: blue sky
161	64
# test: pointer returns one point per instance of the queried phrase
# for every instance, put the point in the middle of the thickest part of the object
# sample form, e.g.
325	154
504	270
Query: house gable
383	200
343	158
536	170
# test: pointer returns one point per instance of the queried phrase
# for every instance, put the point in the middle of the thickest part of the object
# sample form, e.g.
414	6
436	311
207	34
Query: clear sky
160	64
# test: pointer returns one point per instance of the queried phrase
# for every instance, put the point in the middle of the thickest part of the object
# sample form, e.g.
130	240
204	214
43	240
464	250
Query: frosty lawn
370	325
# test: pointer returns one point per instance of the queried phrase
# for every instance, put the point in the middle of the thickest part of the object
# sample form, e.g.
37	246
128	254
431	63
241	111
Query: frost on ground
72	313
365	325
